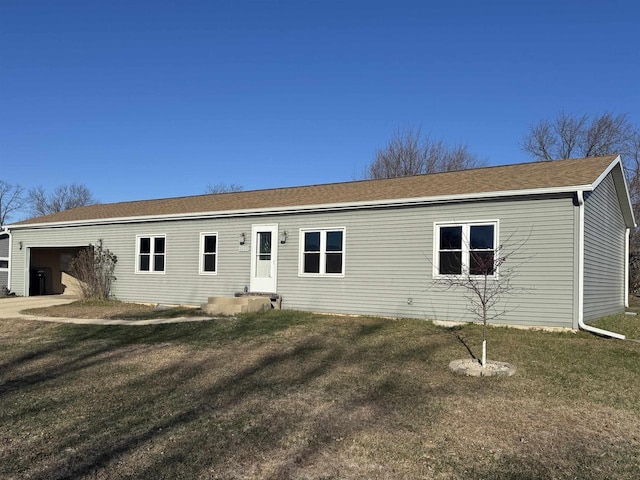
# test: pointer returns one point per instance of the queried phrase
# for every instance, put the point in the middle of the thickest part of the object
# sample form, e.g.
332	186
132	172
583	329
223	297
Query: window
322	252
4	264
465	248
209	253
151	253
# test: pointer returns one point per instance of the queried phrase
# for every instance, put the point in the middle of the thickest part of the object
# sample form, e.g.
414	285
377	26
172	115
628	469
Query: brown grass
111	309
291	395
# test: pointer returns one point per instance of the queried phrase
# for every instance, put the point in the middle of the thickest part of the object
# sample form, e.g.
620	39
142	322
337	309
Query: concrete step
236	305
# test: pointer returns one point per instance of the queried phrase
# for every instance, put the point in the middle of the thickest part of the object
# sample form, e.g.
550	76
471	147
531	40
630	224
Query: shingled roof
465	183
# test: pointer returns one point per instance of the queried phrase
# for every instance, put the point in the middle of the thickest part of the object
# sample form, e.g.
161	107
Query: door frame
256	284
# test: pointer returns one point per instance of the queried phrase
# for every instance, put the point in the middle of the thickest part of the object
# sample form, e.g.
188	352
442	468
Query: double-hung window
322	252
465	248
208	253
151	254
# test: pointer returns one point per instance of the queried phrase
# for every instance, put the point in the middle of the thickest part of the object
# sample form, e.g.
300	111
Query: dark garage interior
49	270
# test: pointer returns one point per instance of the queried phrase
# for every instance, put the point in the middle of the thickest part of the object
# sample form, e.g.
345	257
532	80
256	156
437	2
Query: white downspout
10	257
581	324
626	267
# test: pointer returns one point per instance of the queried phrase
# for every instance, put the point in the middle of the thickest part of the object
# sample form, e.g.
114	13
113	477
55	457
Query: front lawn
293	395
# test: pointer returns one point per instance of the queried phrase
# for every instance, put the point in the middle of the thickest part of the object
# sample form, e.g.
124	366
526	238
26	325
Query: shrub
94	267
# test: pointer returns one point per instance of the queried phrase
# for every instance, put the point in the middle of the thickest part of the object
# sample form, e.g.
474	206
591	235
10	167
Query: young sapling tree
485	272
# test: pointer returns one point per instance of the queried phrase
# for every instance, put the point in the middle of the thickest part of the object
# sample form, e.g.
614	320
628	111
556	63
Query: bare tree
410	152
570	135
222	187
64	197
487	280
11	200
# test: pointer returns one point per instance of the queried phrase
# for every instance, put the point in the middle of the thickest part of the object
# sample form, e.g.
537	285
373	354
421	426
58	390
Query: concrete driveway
10	307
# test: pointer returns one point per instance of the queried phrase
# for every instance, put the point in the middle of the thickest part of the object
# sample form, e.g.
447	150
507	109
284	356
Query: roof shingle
524	176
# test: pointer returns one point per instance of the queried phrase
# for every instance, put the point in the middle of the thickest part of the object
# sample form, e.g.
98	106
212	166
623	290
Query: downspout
10	257
581	324
626	267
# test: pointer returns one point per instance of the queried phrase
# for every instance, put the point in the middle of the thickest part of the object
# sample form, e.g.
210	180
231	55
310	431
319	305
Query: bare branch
222	187
489	280
64	197
11	200
410	152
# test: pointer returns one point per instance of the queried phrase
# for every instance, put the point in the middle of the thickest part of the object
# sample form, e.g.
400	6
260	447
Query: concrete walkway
12	306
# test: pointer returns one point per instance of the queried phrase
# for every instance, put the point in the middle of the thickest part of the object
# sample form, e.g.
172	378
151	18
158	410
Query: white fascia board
616	161
398	202
627	204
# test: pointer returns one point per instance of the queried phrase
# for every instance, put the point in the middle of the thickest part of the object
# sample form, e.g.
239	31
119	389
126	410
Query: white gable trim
620	181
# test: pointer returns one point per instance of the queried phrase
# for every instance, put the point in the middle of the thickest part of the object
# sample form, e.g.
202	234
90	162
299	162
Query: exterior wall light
283	237
20	245
242	238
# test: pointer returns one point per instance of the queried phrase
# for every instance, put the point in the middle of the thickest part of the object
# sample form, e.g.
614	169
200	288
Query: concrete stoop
236	305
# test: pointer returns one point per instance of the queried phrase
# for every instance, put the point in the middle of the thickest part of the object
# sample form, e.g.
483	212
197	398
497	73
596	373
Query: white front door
264	258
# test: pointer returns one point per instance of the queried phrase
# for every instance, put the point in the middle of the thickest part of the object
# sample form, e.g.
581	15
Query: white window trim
2	269
137	258
323	251
202	253
465	245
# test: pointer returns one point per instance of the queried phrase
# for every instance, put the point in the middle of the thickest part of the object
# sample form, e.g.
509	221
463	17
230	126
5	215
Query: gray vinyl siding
604	252
4	246
389	263
388	260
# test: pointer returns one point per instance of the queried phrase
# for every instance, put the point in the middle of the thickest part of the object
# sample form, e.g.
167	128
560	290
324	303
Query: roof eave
309	208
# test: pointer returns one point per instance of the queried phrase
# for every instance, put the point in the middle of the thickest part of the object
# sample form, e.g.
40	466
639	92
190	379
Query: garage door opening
49	271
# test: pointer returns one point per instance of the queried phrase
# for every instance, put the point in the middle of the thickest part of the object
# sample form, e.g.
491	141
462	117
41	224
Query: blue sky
150	99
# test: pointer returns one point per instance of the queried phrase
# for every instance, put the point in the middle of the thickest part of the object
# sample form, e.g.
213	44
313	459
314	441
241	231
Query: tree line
411	151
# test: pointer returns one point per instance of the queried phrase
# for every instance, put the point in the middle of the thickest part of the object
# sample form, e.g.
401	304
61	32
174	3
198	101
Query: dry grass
111	309
291	395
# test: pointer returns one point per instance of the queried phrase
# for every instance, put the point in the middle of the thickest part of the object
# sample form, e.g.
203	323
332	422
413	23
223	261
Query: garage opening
49	271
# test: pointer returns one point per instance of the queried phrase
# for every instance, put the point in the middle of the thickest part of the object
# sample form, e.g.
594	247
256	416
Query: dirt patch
472	368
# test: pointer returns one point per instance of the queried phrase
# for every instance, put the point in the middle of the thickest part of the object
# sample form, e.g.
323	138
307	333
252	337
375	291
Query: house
366	247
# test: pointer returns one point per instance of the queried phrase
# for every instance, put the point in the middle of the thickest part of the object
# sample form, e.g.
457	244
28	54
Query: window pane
312	242
265	242
209	263
481	263
450	238
311	263
144	263
481	236
334	241
210	244
158	245
158	263
450	263
145	245
4	263
334	263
